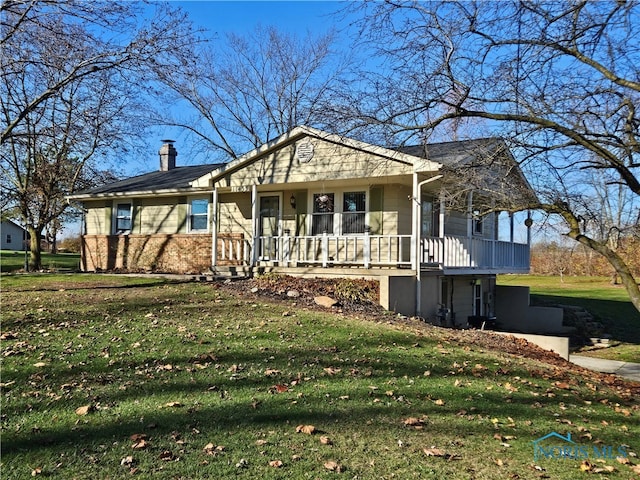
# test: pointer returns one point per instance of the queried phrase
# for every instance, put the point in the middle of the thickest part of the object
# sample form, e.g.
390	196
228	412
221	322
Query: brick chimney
168	156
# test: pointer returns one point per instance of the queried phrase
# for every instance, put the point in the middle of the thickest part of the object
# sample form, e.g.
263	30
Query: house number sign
304	151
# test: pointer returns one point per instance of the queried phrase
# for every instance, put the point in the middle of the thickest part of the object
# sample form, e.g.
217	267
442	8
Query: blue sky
243	16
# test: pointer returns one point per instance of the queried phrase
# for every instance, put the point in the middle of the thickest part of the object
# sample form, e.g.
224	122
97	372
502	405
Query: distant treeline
557	259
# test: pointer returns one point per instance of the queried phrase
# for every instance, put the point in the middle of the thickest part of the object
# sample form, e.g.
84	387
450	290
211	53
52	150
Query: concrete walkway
628	370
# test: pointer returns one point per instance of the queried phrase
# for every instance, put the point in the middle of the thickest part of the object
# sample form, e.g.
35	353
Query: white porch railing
233	250
464	252
329	250
392	250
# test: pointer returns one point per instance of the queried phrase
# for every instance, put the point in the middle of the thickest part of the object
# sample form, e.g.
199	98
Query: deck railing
368	251
464	252
333	250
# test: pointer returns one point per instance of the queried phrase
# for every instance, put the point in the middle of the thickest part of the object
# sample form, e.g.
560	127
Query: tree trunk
35	259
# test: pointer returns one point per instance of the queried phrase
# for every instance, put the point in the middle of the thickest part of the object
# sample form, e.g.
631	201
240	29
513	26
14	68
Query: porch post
441	217
415	244
325	250
214	228
511	238
415	222
286	248
470	215
255	214
366	248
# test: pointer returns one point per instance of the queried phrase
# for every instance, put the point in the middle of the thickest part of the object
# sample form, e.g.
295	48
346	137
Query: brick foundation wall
177	253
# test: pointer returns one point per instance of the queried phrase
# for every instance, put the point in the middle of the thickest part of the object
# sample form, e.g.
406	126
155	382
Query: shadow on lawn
217	400
223	414
71	286
620	319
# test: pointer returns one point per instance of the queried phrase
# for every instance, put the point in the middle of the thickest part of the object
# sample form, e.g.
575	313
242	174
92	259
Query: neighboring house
314	204
13	236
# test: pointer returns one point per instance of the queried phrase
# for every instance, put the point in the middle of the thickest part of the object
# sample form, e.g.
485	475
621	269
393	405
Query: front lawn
187	381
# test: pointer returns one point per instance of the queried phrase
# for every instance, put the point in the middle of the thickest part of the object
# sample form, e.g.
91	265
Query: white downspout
254	222
417	197
214	228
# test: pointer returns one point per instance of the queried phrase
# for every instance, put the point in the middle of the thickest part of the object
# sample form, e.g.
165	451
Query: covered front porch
412	230
449	253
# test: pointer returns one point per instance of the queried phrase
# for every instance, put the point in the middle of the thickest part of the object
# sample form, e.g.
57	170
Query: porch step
231	271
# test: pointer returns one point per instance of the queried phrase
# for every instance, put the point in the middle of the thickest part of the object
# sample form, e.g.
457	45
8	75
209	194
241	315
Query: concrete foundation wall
514	313
398	294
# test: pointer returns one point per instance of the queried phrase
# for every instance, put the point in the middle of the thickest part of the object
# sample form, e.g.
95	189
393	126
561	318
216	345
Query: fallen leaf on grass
439	402
36	471
40	364
127	461
434	452
324	440
562	385
333	466
167	456
586	466
417	423
276	463
438	452
624	411
308	429
605	469
332	370
279	389
136	437
84	410
173	404
211	449
270	372
140	445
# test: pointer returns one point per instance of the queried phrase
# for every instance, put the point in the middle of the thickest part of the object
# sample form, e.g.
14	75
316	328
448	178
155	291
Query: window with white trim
123	218
353	212
199	215
323	209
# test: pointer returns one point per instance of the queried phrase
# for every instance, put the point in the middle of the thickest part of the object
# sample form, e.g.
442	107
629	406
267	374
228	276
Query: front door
269	226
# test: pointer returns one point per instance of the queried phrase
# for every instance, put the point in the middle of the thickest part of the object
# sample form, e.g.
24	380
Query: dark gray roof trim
175	179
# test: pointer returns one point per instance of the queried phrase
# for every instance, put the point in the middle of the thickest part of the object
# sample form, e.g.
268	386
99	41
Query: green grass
12	261
187	365
609	304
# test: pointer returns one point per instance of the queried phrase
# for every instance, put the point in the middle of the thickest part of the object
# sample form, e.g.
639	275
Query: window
8	238
477	299
353	212
323	208
199	214
123	218
430	217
